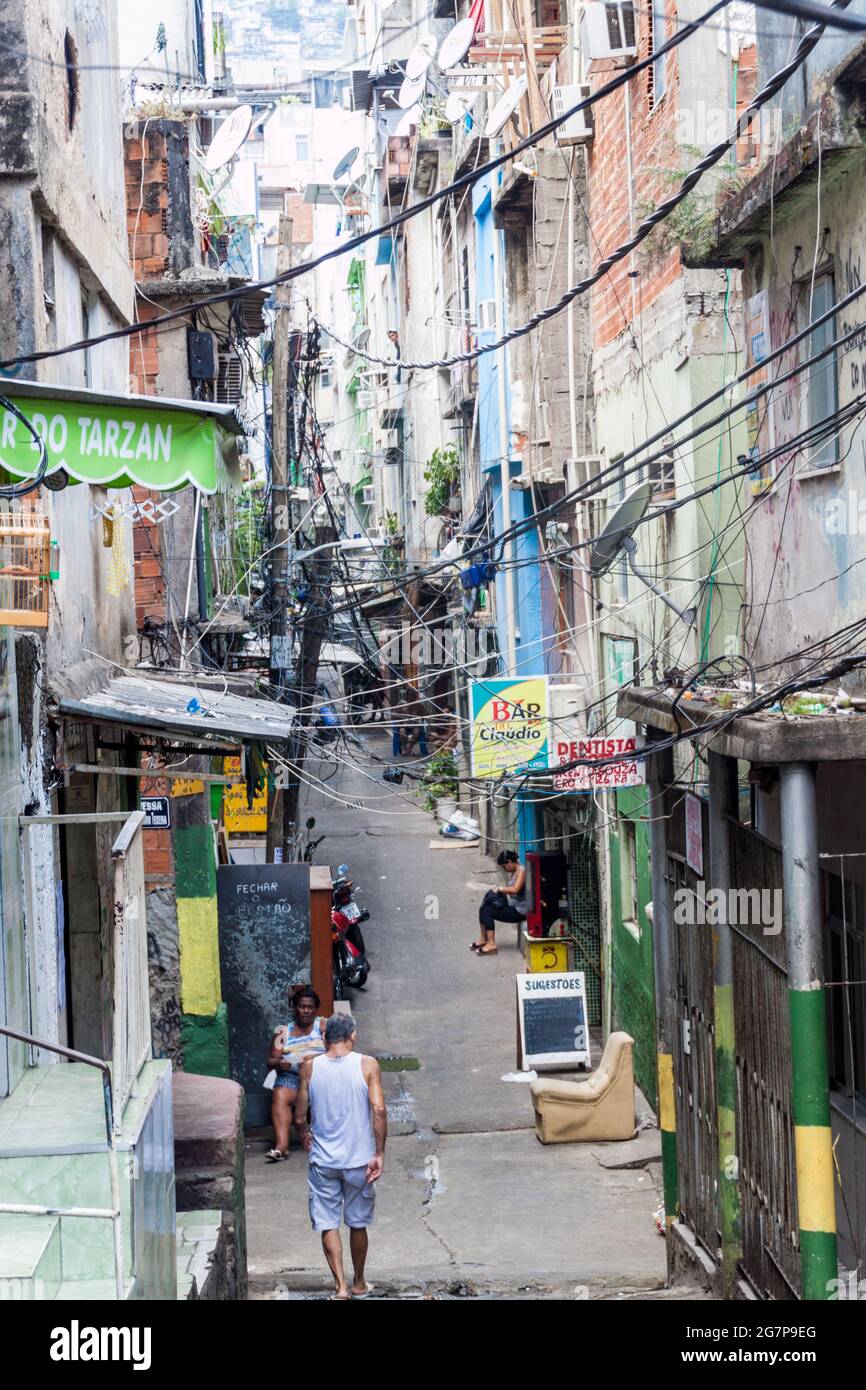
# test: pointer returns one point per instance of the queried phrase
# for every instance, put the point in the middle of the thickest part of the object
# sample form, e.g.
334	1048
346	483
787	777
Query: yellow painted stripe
199	956
667	1110
816	1197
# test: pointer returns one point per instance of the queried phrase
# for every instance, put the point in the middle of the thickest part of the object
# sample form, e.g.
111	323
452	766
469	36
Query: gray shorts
340	1194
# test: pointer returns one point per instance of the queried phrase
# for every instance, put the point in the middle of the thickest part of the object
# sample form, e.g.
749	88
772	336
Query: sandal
476	946
488	951
276	1156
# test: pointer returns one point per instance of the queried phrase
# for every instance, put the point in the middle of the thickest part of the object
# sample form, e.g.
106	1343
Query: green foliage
692	224
440	779
440	475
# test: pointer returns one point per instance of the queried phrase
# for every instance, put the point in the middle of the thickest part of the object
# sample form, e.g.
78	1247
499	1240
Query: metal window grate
583	909
24	567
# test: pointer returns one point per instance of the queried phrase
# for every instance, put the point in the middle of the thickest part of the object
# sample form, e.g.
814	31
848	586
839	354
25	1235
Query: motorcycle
350	963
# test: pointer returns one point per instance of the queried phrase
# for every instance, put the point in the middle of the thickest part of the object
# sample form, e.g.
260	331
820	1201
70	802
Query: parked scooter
351	966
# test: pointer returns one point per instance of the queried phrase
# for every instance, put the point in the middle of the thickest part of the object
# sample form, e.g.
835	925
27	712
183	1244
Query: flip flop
274	1156
366	1294
475	946
335	1298
486	951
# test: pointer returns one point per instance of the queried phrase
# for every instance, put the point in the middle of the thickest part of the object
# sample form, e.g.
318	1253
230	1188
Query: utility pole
279	518
314	629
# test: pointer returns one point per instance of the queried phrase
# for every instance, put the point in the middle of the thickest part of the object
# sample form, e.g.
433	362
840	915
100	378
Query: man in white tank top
346	1144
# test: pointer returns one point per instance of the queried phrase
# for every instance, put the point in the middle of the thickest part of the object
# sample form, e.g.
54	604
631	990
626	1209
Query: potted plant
440	786
441	475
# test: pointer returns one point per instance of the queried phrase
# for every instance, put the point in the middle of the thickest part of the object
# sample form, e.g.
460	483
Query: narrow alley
470	1201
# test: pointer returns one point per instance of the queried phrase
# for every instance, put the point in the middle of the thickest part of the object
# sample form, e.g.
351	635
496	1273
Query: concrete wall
62	239
811	524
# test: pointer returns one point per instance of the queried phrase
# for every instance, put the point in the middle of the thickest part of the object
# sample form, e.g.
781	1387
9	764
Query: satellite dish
361	338
619	528
505	106
460	102
229	138
411	91
345	163
456	44
618	536
420	58
409	119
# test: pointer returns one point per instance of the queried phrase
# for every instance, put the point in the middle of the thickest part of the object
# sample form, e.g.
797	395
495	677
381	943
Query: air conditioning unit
368	496
366	399
577	130
580	471
486	315
229	389
390	440
608	30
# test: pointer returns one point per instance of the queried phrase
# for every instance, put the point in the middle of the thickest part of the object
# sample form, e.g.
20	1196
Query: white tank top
342	1122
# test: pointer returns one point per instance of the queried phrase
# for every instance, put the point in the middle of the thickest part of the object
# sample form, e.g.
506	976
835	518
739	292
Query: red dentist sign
607	776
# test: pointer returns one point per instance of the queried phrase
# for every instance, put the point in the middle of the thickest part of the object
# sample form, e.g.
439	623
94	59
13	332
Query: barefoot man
346	1144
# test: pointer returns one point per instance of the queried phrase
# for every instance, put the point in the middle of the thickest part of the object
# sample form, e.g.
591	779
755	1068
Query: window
846	1008
822	392
302	148
656	74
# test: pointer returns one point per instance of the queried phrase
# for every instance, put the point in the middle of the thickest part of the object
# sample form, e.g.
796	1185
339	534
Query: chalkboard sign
264	932
553	1029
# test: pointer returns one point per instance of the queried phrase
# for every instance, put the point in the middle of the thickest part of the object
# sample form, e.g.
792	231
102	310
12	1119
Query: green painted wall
206	1043
633	983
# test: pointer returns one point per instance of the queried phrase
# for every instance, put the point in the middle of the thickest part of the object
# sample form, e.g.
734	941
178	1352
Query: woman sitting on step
291	1045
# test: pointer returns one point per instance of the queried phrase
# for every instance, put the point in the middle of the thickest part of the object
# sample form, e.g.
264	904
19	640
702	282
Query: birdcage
25	567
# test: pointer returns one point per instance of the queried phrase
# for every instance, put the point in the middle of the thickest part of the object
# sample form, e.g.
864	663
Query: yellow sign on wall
238	817
509	724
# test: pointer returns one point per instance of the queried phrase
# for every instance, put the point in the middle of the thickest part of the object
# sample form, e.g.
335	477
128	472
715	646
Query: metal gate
765	1131
694	1040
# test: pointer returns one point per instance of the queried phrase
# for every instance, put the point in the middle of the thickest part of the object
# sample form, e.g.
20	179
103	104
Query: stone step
30	1261
199	1255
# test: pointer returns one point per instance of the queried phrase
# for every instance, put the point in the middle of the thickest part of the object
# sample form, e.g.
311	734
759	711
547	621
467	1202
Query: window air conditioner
577	130
366	400
230	379
486	315
608	30
368	496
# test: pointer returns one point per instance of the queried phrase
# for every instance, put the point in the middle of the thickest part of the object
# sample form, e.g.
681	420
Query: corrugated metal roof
161	707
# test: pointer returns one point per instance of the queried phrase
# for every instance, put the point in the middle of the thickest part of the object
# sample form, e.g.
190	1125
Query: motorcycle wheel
339	992
358	979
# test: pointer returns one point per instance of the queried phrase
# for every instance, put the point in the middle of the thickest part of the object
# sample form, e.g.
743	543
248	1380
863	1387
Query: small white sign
554	1032
694	835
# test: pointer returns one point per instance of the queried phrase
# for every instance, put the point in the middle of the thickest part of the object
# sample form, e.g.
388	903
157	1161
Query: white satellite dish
345	163
456	44
618	536
460	102
505	106
409	119
361	338
420	58
411	91
229	138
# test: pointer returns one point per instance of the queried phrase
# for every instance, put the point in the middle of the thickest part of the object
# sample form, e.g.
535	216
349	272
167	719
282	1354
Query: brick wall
146	175
654	154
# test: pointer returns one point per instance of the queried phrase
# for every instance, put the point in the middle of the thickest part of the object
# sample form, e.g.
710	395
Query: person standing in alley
346	1145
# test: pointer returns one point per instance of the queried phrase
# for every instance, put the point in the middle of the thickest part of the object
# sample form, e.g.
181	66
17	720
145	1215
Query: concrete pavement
470	1201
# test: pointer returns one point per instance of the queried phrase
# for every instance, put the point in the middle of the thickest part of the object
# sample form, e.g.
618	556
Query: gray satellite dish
618	537
619	528
345	163
361	339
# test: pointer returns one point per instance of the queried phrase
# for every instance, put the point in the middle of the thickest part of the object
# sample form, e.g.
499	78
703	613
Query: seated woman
509	905
291	1045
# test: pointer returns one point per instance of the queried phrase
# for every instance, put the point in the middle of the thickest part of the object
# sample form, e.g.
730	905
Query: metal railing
131	1036
111	1213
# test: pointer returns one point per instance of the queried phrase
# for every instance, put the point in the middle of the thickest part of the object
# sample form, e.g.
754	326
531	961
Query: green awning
364	481
115	441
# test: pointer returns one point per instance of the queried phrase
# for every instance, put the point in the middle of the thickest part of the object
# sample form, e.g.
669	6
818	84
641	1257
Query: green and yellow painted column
723	808
803	925
659	775
204	1032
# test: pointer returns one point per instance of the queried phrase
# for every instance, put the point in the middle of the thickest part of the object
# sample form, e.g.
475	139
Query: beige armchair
602	1107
